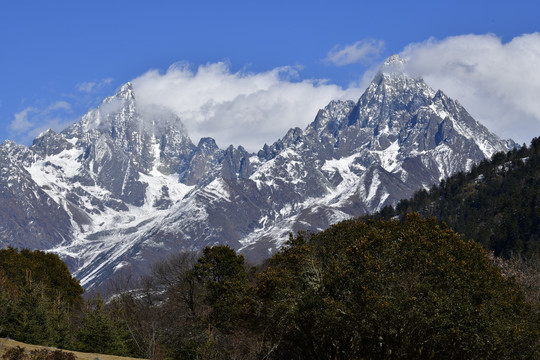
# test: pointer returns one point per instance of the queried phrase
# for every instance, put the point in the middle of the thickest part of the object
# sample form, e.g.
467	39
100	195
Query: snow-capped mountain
125	185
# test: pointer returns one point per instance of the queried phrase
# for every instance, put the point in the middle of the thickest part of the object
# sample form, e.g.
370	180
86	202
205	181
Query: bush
388	289
19	353
15	353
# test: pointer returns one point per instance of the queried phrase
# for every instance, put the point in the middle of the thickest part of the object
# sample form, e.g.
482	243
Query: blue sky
58	59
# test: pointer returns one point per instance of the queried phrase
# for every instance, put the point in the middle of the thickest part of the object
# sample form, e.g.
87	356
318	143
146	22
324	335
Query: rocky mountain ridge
125	185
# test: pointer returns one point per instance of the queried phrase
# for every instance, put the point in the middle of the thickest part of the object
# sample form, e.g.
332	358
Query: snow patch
375	183
389	157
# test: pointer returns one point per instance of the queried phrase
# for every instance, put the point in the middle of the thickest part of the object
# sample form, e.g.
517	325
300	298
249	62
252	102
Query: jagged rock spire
394	65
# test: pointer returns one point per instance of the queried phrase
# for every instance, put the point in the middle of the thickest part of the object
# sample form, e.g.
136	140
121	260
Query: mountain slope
496	203
29	217
132	187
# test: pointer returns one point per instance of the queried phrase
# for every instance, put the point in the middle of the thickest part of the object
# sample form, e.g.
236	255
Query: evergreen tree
28	316
381	290
99	331
45	268
225	278
60	323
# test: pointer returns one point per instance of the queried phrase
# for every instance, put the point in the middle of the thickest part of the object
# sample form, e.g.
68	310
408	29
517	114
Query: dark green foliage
40	304
28	318
497	203
29	315
382	290
100	331
37	293
59	323
41	267
7	296
224	276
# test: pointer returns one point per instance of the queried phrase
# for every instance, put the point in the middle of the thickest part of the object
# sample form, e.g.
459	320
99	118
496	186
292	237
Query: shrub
389	289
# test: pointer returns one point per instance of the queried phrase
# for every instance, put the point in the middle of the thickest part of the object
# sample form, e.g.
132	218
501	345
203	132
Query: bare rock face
125	185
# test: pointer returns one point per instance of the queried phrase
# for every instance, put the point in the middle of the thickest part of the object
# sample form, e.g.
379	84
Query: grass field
6	344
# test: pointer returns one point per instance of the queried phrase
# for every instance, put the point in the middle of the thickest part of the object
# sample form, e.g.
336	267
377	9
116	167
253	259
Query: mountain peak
48	132
332	115
133	187
126	91
394	65
395	58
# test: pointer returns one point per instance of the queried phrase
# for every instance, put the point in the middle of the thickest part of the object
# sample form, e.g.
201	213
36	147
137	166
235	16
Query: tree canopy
38	266
391	289
37	294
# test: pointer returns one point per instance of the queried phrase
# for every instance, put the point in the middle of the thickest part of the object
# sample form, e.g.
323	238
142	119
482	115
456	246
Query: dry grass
6	344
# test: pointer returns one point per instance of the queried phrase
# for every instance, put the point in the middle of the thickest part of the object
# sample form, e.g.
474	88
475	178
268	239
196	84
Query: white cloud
64	105
31	121
498	83
241	108
92	86
360	51
21	122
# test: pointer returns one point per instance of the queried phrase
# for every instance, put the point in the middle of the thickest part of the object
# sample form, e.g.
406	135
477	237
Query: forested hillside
497	203
42	304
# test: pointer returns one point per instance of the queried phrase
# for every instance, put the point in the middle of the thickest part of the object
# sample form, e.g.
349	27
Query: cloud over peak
497	82
239	108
